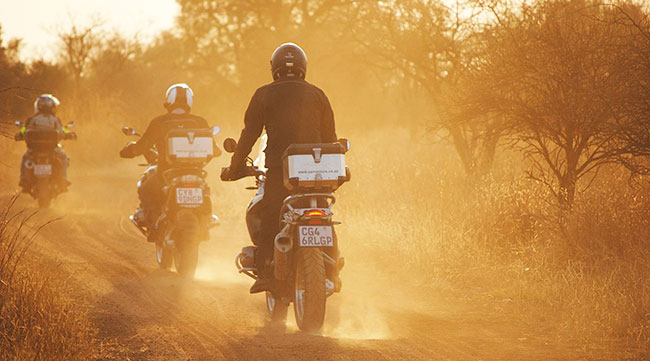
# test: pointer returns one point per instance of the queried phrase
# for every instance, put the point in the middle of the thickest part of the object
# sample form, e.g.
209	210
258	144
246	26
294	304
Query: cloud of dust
357	319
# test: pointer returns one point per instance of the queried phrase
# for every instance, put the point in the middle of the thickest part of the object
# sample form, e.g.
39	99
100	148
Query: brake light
316	213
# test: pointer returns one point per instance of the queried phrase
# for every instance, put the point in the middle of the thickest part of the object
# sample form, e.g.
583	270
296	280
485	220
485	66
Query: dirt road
143	313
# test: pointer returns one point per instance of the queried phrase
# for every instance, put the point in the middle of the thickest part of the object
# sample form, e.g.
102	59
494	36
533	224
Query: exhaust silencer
281	250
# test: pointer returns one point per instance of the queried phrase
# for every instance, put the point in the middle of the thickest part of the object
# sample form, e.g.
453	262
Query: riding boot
264	278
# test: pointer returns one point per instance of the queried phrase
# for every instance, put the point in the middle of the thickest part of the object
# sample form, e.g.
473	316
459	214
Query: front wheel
310	296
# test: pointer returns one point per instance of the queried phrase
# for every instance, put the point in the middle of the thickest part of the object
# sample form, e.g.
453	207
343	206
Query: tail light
315	216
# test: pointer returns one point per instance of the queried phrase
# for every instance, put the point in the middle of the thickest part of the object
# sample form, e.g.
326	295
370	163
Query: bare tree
433	44
78	44
554	73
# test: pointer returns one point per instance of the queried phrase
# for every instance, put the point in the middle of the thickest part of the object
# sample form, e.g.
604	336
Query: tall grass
37	322
583	274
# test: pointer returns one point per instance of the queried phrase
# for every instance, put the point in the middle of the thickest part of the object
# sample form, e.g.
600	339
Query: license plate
189	196
315	236
42	169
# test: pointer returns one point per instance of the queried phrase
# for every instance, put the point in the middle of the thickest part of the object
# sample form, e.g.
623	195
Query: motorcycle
42	178
306	259
186	216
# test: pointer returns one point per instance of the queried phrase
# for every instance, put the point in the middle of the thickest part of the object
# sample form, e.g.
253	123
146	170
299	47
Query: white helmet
179	96
46	103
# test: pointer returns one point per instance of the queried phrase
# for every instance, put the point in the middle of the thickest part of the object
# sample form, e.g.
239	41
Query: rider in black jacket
178	103
292	111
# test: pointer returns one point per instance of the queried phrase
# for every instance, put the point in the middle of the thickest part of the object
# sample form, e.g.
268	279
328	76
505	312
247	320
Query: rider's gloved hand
225	174
18	136
127	151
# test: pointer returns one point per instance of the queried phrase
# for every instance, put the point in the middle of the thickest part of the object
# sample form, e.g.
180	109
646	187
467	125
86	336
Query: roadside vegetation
499	149
37	320
580	279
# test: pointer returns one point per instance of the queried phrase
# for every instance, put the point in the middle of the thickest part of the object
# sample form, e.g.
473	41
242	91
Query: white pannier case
314	166
190	145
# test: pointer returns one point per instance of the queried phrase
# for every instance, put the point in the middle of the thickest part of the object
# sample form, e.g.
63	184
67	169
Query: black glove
19	137
225	174
127	151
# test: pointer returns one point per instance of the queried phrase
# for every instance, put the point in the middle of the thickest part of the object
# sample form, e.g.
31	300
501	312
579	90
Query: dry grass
582	277
37	322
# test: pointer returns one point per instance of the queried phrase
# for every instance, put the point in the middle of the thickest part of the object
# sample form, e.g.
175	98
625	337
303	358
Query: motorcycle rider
44	118
292	111
178	102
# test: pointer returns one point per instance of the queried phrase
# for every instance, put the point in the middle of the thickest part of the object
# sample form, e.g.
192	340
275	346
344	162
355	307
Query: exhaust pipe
283	245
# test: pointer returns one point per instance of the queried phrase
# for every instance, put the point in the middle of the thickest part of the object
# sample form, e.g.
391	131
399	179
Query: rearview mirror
128	131
71	125
18	124
216	130
230	145
345	143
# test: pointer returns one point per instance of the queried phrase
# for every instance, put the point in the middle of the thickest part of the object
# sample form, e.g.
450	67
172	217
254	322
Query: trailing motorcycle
43	180
186	215
306	260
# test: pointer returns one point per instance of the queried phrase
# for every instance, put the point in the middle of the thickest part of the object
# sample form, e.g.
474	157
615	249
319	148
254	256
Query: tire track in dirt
143	313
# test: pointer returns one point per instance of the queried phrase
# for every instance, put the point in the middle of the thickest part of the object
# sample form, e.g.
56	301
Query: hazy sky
37	21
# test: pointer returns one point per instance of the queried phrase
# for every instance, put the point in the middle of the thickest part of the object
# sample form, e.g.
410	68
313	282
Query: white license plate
189	196
42	169
315	236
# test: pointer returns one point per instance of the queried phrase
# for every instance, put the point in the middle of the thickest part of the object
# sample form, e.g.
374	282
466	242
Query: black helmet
288	60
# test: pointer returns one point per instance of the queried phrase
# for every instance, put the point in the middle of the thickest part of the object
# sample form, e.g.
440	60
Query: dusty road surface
143	313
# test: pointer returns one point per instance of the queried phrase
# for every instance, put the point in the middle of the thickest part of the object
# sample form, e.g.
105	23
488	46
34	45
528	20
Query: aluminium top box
318	166
190	145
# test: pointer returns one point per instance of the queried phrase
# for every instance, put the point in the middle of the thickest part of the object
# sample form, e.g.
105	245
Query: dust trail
359	320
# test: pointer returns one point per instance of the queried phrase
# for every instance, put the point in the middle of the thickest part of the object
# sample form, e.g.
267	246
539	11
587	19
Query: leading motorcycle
186	215
43	180
306	260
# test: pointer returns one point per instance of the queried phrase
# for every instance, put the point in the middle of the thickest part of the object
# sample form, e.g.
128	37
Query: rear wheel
276	308
43	193
186	258
186	254
164	257
310	296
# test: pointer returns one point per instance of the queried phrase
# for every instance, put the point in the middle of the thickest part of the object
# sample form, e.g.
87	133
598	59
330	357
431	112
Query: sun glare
143	18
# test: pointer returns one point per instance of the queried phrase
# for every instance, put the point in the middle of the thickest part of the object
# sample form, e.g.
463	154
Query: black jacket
158	128
292	111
